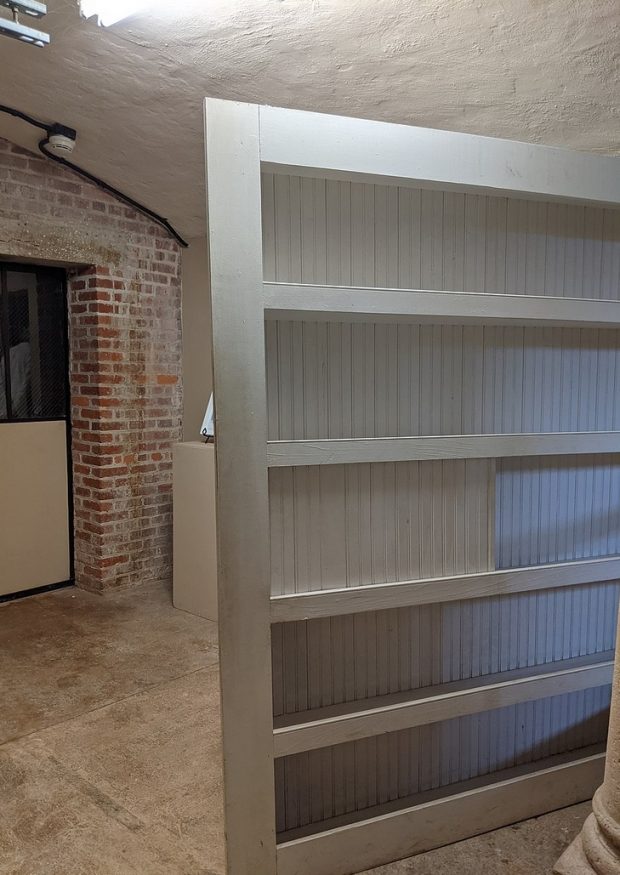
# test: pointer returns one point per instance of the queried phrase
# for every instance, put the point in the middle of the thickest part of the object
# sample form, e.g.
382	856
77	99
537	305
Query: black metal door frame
61	277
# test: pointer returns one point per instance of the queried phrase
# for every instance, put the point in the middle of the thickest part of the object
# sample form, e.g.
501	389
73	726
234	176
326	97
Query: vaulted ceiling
537	70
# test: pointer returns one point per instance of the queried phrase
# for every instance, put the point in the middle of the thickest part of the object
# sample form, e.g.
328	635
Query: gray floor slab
68	652
111	760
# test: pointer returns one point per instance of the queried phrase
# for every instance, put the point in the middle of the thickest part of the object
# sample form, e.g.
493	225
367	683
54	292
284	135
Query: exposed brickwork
125	360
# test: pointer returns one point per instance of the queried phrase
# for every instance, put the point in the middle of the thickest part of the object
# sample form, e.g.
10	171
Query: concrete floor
110	753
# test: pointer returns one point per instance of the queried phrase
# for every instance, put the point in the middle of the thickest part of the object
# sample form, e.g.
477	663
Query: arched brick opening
125	360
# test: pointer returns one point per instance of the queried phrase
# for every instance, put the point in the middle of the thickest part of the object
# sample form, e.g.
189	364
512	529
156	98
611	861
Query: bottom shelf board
347	845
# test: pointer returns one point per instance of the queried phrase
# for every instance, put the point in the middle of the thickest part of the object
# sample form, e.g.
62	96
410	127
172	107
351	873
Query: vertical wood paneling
432	757
556	509
354	525
390	654
364	234
333	380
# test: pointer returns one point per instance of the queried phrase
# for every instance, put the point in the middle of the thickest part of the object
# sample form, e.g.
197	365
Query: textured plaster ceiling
538	70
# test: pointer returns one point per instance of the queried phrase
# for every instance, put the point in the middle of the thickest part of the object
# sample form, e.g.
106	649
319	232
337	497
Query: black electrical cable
114	191
24	117
90	176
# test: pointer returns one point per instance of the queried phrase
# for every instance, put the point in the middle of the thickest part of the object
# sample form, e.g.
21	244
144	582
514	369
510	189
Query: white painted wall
197	365
544	72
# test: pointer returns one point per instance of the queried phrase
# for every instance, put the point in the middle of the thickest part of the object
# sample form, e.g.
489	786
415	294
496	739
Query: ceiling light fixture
14	28
110	11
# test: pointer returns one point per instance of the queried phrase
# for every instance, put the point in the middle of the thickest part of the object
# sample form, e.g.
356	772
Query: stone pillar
597	848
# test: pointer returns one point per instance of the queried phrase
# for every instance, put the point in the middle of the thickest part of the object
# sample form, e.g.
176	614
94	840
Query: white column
597	848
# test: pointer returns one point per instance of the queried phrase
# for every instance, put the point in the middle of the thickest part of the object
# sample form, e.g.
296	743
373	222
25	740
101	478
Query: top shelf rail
359	304
316	144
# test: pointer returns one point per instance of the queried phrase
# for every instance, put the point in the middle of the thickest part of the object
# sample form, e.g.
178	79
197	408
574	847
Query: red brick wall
125	360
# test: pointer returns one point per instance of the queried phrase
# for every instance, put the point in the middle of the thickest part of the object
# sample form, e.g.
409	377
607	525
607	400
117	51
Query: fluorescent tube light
14	28
24	34
27	7
111	11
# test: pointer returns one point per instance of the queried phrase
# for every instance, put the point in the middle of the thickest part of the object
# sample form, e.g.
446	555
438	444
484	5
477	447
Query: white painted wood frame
381	596
409	449
337	146
233	203
240	139
353	304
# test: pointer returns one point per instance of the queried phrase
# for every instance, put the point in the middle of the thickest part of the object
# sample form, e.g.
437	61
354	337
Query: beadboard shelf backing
352	525
553	510
438	756
338	724
508	798
326	232
416	354
330	380
347	660
290	301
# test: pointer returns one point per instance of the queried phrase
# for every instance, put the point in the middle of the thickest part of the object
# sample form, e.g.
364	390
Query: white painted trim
235	241
392	836
294	141
377	597
359	304
311	730
349	451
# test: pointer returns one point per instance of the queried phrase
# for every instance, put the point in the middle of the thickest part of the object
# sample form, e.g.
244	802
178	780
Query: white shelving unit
416	348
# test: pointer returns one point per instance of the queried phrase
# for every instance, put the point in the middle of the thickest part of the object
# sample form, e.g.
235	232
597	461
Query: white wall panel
556	509
343	659
341	233
356	776
339	380
351	525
